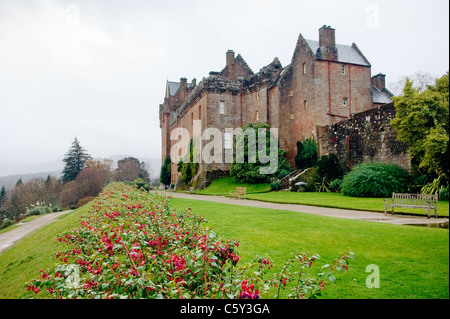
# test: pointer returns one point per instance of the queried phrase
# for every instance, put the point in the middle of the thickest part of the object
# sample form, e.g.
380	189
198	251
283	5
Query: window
257	115
343	69
305	104
304	67
222	107
228	142
257	95
291	92
345	102
199	112
291	116
192	118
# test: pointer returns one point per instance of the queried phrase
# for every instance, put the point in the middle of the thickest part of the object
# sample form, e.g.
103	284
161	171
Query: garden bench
240	192
424	201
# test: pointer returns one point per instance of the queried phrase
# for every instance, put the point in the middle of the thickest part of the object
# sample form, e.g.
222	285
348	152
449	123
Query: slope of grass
413	261
22	262
338	200
223	186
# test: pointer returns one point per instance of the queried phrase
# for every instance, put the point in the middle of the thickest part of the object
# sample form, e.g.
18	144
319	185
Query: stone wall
366	136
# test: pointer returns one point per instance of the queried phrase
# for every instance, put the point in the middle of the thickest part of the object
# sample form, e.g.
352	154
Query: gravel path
324	211
9	238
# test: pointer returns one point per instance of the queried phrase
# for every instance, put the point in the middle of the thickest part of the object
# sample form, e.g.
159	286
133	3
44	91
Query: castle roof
346	53
173	87
381	96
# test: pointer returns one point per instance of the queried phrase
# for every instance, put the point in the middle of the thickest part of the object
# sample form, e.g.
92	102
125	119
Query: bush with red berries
133	245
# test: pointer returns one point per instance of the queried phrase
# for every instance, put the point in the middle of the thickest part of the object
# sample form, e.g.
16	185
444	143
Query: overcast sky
97	69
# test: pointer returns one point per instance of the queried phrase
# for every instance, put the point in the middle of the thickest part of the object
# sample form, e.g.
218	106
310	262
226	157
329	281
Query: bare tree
421	80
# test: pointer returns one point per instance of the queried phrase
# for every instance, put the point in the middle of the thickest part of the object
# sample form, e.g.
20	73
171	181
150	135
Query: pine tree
2	197
75	160
165	176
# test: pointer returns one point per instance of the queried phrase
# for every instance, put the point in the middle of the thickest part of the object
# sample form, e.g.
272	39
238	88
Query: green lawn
338	200
413	261
22	262
223	186
263	192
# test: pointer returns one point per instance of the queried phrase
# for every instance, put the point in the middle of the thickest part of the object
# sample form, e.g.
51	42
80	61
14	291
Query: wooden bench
239	192
424	201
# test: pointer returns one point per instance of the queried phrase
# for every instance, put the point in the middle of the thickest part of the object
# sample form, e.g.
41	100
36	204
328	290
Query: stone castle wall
366	136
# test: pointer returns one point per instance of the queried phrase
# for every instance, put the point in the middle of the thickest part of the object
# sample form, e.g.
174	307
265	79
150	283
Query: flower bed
133	245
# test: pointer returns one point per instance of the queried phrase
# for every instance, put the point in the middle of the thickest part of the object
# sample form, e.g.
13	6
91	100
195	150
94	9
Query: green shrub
275	185
329	167
443	193
335	185
374	179
141	184
38	210
283	173
5	223
306	154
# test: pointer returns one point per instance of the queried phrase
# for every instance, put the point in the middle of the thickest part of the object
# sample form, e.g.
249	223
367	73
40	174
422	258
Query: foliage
374	179
422	122
39	209
306	153
129	168
24	195
335	185
166	168
437	186
84	201
283	173
3	197
75	160
132	245
275	185
141	184
329	167
70	195
249	172
187	168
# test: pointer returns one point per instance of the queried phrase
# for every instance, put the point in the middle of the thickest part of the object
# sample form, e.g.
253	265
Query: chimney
194	82
379	81
183	83
327	37
230	58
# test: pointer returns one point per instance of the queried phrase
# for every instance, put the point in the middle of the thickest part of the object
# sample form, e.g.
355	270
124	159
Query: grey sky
97	69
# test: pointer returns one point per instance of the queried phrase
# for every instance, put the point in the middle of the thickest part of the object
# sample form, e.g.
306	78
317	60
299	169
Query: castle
325	83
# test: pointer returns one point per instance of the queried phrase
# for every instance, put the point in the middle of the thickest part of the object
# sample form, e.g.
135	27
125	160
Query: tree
3	197
166	172
129	168
422	121
420	80
75	160
249	170
306	154
105	165
90	182
69	195
188	169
